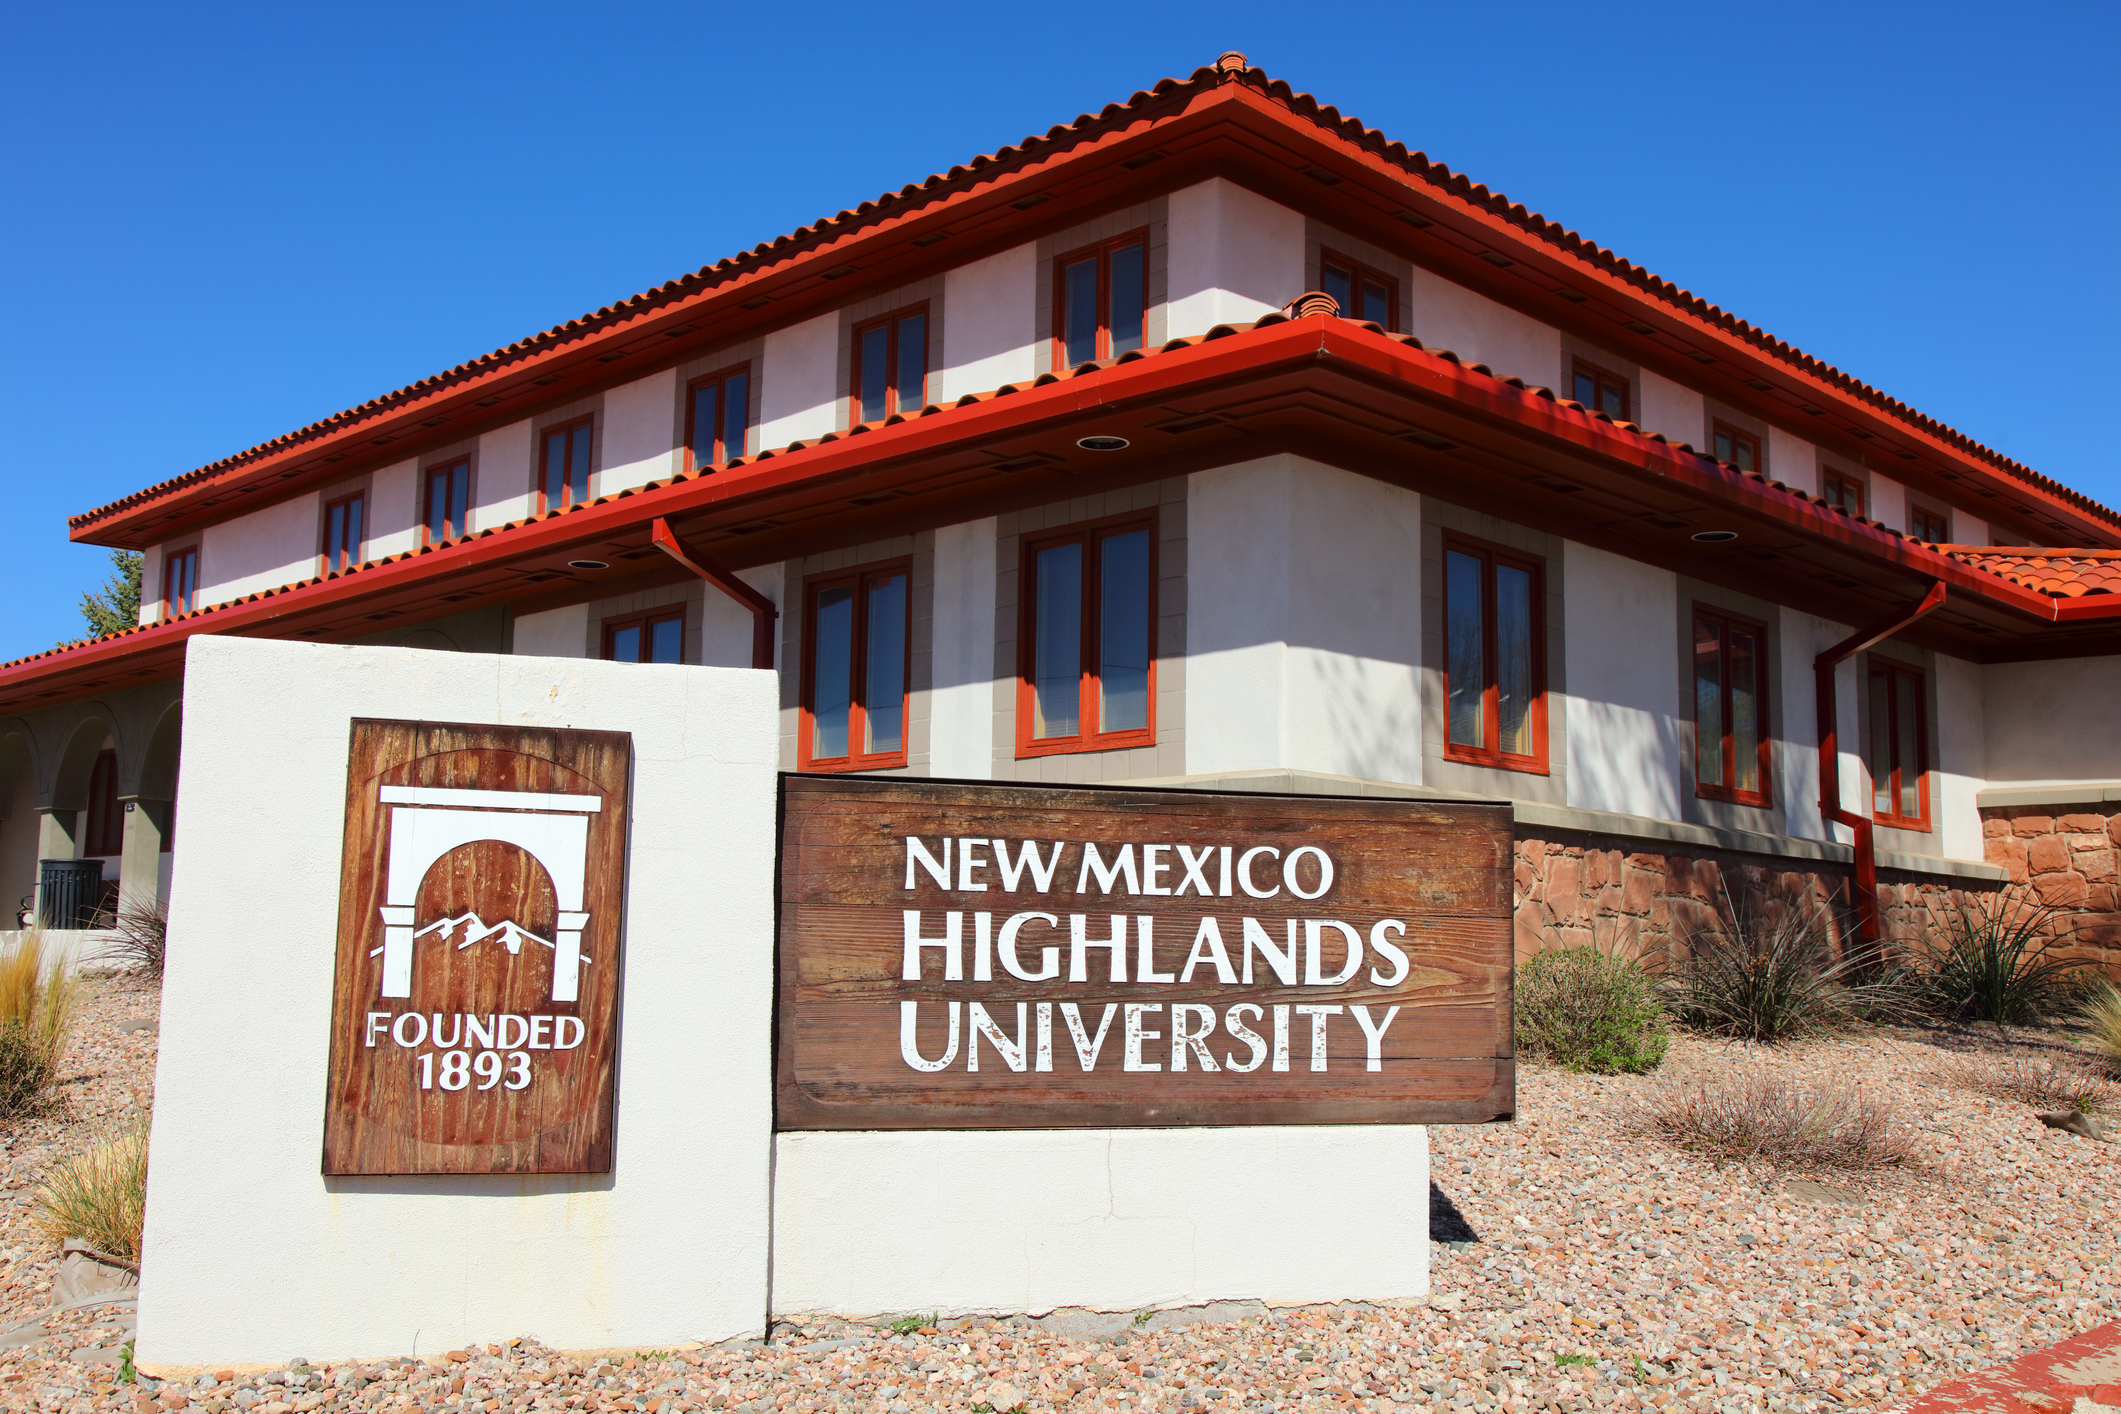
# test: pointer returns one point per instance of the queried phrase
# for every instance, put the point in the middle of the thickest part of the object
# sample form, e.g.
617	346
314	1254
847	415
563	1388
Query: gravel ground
1610	1272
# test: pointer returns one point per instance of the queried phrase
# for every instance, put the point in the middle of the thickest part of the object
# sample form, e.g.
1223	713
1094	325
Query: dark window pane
1057	642
1079	311
912	364
334	536
832	657
1123	631
1613	399
1907	739
437	507
555	469
1587	390
1129	297
626	645
876	372
1708	704
704	401
351	546
578	466
1465	649
1723	447
666	641
884	681
459	499
1881	743
1513	661
1376	303
1743	456
1745	712
736	415
1341	285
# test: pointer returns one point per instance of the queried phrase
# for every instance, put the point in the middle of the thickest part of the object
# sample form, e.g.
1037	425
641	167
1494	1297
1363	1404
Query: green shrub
1993	958
1578	1007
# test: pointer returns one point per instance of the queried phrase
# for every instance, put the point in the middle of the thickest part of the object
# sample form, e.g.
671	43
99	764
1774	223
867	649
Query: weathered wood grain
1443	869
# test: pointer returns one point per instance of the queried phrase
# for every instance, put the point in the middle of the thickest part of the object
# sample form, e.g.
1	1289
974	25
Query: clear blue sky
227	222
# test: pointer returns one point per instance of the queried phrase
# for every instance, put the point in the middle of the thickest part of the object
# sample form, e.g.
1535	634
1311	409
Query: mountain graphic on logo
477	929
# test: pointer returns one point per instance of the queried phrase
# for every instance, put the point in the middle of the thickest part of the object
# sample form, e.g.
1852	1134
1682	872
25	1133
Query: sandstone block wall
2067	854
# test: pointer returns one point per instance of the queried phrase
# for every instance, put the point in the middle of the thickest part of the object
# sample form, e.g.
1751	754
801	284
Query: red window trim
103	822
1719	428
1360	271
854	360
722	454
1731	795
1537	763
642	620
1103	251
428	477
544	436
1917	511
1087	532
170	559
1599	374
858	710
1907	677
324	556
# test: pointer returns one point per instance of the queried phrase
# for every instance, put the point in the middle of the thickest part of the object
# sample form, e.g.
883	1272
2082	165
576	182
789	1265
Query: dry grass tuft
2047	1080
2102	1015
1756	1114
38	1004
99	1195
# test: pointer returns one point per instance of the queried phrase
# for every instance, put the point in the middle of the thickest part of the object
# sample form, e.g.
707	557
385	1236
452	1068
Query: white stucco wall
1791	460
992	328
798	381
1961	758
1662	406
2052	722
501	489
1797	745
151	585
1968	528
256	1254
1303	621
269	547
1114	1220
1625	752
726	626
394	510
961	698
554	633
1478	330
1888	502
640	432
1234	255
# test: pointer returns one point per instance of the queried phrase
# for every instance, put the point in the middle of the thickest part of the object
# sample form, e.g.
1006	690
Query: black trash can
68	891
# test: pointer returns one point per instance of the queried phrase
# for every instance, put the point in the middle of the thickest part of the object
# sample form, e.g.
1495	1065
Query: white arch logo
427	822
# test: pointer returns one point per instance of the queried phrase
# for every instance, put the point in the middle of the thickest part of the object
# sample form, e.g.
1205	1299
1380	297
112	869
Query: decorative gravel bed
1610	1272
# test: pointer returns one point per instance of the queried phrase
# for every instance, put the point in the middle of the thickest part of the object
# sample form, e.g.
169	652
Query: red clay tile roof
2066	574
1229	68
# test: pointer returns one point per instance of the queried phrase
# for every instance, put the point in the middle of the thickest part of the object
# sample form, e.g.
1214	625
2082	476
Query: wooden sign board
475	1005
958	956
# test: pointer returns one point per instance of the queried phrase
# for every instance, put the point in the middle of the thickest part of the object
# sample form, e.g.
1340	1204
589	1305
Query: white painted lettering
434	1032
1026	858
1079	940
1193	1038
1393	951
1208	947
1325	871
1281	1036
1086	1049
983	946
1373	1035
1241	1032
967	866
478	1031
377	1021
1153	865
564	1039
1282	960
541	1033
908	1038
1049	957
1044	1012
1194	869
519	1070
1314	930
951	943
1135	1034
1318	1015
1145	951
938	869
506	1042
1224	890
1010	1050
1122	867
419	1036
1244	871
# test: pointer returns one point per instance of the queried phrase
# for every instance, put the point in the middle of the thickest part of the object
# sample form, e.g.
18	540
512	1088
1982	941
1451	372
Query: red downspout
1867	929
763	613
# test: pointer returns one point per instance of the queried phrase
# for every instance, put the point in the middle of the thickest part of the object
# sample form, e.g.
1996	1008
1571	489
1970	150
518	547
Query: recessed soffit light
1103	444
1715	537
588	565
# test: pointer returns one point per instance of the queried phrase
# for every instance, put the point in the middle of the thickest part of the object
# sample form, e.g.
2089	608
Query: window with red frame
1899	747
891	366
1101	300
1730	709
1361	293
180	581
1843	492
1601	391
1086	677
1740	449
1494	659
564	475
1933	526
657	636
448	503
717	417
342	533
857	628
103	832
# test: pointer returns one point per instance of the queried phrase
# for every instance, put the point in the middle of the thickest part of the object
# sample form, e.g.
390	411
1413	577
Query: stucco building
1208	438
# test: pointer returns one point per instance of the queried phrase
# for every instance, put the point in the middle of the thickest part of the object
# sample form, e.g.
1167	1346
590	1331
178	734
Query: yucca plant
135	934
38	1004
1766	970
1996	958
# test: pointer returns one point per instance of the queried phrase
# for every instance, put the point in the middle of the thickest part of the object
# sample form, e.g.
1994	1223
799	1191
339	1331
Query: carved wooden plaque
1003	957
476	999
